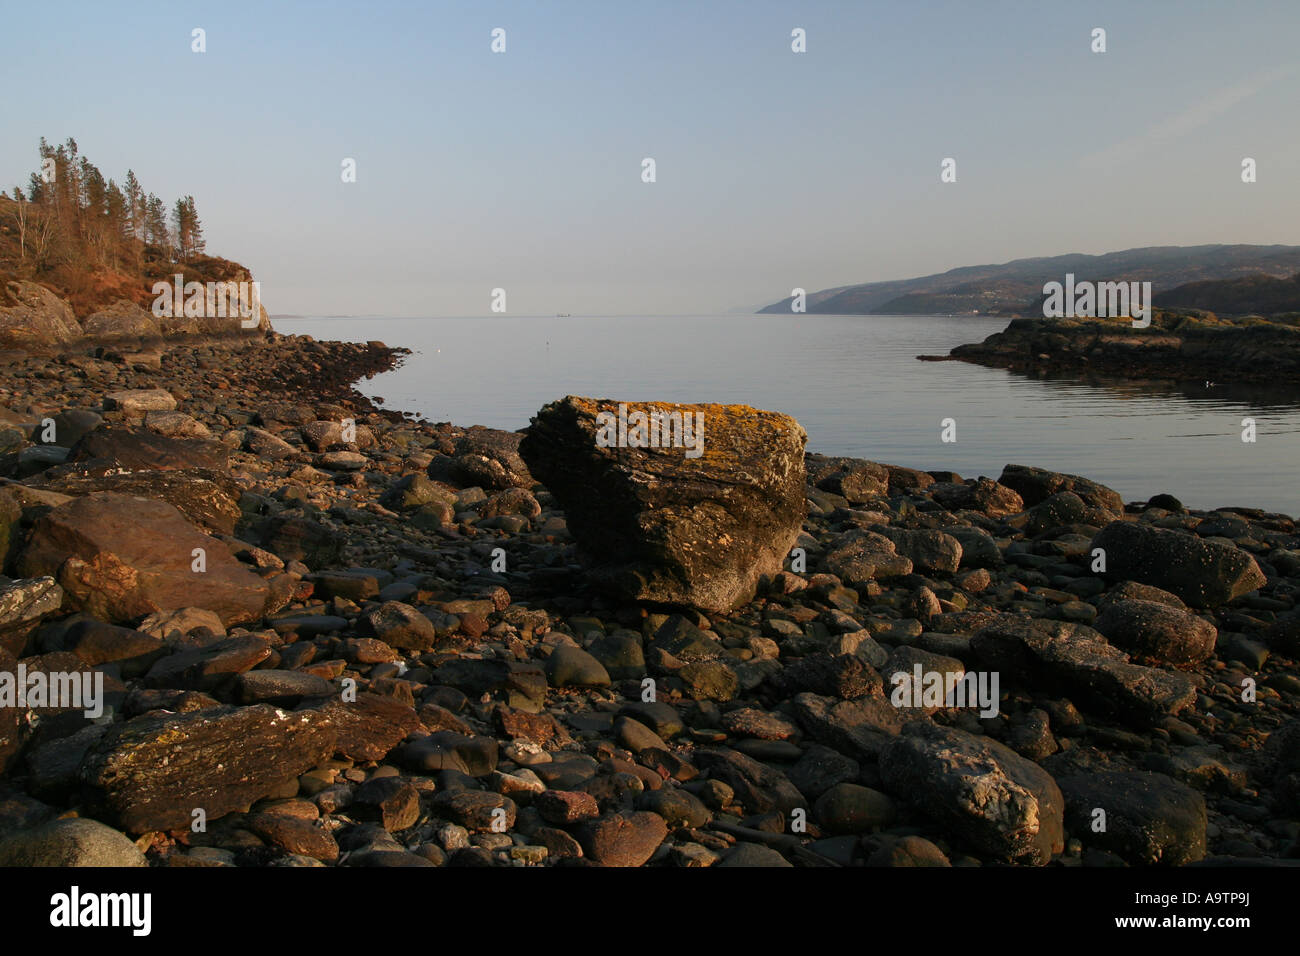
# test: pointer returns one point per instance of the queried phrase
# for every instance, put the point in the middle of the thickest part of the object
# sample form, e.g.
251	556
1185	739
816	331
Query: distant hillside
1256	294
1011	287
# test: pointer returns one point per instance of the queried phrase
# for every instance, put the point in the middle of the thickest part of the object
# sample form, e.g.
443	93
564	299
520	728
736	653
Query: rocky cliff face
1175	346
35	319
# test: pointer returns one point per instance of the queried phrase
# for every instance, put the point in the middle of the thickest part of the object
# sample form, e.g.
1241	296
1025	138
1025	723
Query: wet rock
658	526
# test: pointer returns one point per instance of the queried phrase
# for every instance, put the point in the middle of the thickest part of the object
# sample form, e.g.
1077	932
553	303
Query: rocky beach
329	634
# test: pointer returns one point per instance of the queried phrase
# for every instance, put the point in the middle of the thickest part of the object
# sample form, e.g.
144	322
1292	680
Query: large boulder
696	525
1005	805
153	772
120	558
123	319
34	318
1202	573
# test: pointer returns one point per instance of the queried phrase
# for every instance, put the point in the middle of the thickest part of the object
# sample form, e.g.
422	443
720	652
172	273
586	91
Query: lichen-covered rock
153	772
668	524
1004	804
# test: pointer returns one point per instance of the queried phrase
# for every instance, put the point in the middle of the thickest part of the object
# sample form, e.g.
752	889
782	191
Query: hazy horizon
521	170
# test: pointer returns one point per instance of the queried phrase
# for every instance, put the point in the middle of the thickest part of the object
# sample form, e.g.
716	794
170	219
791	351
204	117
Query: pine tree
156	233
134	205
197	243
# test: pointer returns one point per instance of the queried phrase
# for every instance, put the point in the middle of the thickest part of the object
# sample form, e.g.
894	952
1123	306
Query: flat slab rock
1077	660
655	525
120	557
152	772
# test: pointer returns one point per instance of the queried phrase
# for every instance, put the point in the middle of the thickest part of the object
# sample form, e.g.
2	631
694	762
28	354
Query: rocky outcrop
675	525
1174	346
121	320
37	320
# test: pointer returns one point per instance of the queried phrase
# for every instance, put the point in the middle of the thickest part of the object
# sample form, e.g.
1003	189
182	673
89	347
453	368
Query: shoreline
422	562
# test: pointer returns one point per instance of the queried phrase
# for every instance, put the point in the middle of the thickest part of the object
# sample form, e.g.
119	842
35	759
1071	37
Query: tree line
71	214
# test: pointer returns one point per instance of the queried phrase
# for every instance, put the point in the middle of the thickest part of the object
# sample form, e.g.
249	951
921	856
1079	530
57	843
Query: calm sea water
854	383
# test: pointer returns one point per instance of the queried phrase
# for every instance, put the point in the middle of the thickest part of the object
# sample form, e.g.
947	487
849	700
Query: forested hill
93	240
1256	294
1012	287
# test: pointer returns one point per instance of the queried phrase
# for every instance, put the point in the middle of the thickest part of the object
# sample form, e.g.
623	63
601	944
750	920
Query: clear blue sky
522	170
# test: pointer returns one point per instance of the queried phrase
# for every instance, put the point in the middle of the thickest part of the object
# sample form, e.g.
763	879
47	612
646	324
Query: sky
523	170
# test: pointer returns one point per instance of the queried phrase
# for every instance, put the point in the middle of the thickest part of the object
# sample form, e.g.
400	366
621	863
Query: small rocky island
1181	346
330	635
